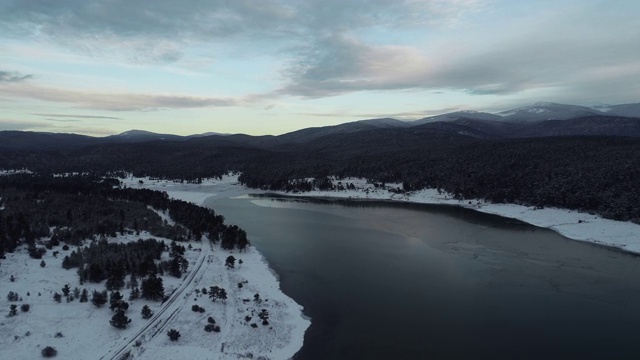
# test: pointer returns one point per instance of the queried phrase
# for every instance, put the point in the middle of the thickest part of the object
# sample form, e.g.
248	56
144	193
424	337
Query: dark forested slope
592	173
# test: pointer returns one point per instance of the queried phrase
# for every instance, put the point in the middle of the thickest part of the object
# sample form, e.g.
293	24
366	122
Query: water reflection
385	280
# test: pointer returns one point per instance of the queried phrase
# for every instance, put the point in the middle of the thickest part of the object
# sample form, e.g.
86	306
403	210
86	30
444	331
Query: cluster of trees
85	207
103	260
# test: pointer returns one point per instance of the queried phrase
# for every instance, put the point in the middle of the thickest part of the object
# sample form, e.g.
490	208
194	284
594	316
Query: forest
72	209
597	174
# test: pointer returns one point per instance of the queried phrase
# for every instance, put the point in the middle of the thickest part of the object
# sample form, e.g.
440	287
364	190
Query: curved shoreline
579	226
574	225
290	315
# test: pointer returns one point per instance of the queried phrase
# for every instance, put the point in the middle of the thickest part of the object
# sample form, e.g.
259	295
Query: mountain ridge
537	120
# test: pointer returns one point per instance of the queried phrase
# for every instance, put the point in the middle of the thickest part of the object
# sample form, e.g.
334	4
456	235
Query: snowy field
82	331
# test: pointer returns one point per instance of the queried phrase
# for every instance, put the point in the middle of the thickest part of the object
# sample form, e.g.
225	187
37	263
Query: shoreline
572	224
341	200
577	226
291	318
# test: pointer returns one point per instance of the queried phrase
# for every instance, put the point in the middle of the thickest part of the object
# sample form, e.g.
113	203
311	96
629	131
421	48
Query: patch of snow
163	215
14	171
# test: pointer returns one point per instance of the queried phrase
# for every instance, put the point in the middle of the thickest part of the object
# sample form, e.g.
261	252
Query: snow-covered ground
82	331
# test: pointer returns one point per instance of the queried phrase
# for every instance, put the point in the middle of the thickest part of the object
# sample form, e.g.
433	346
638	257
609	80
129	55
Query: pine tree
84	296
66	289
230	263
115	300
135	294
120	320
99	298
173	334
146	312
152	288
216	292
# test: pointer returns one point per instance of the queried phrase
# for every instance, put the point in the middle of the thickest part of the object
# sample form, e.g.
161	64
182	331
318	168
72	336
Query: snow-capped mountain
543	111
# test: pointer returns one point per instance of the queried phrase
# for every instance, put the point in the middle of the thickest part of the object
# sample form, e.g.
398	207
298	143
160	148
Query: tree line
71	209
590	173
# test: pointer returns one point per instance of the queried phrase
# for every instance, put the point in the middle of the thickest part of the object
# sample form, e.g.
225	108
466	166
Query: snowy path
162	317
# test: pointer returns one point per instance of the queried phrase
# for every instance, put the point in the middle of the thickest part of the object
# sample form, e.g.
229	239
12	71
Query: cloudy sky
101	67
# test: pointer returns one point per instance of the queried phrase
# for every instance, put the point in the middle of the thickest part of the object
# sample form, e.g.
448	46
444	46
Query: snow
85	329
163	215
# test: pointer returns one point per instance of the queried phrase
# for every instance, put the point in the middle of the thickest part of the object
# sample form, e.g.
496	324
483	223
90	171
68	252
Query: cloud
80	116
12	76
580	48
63	120
410	115
161	30
113	101
573	51
339	64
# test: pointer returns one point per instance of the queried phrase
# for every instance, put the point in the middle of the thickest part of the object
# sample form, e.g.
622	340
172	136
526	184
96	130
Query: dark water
389	281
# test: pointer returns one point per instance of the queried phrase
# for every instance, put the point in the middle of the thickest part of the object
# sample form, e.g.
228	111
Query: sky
102	67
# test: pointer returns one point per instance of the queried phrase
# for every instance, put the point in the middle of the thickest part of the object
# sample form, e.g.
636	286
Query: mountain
207	134
627	110
309	134
385	123
29	140
452	116
538	120
596	125
543	111
141	135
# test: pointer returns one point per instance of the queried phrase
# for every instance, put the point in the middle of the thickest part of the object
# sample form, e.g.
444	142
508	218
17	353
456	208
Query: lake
383	280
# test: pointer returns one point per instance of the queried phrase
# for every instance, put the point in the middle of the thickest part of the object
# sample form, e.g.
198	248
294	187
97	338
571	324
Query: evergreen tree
115	299
173	334
116	279
135	294
146	312
99	298
133	281
49	351
216	292
152	288
66	290
120	320
230	263
84	296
